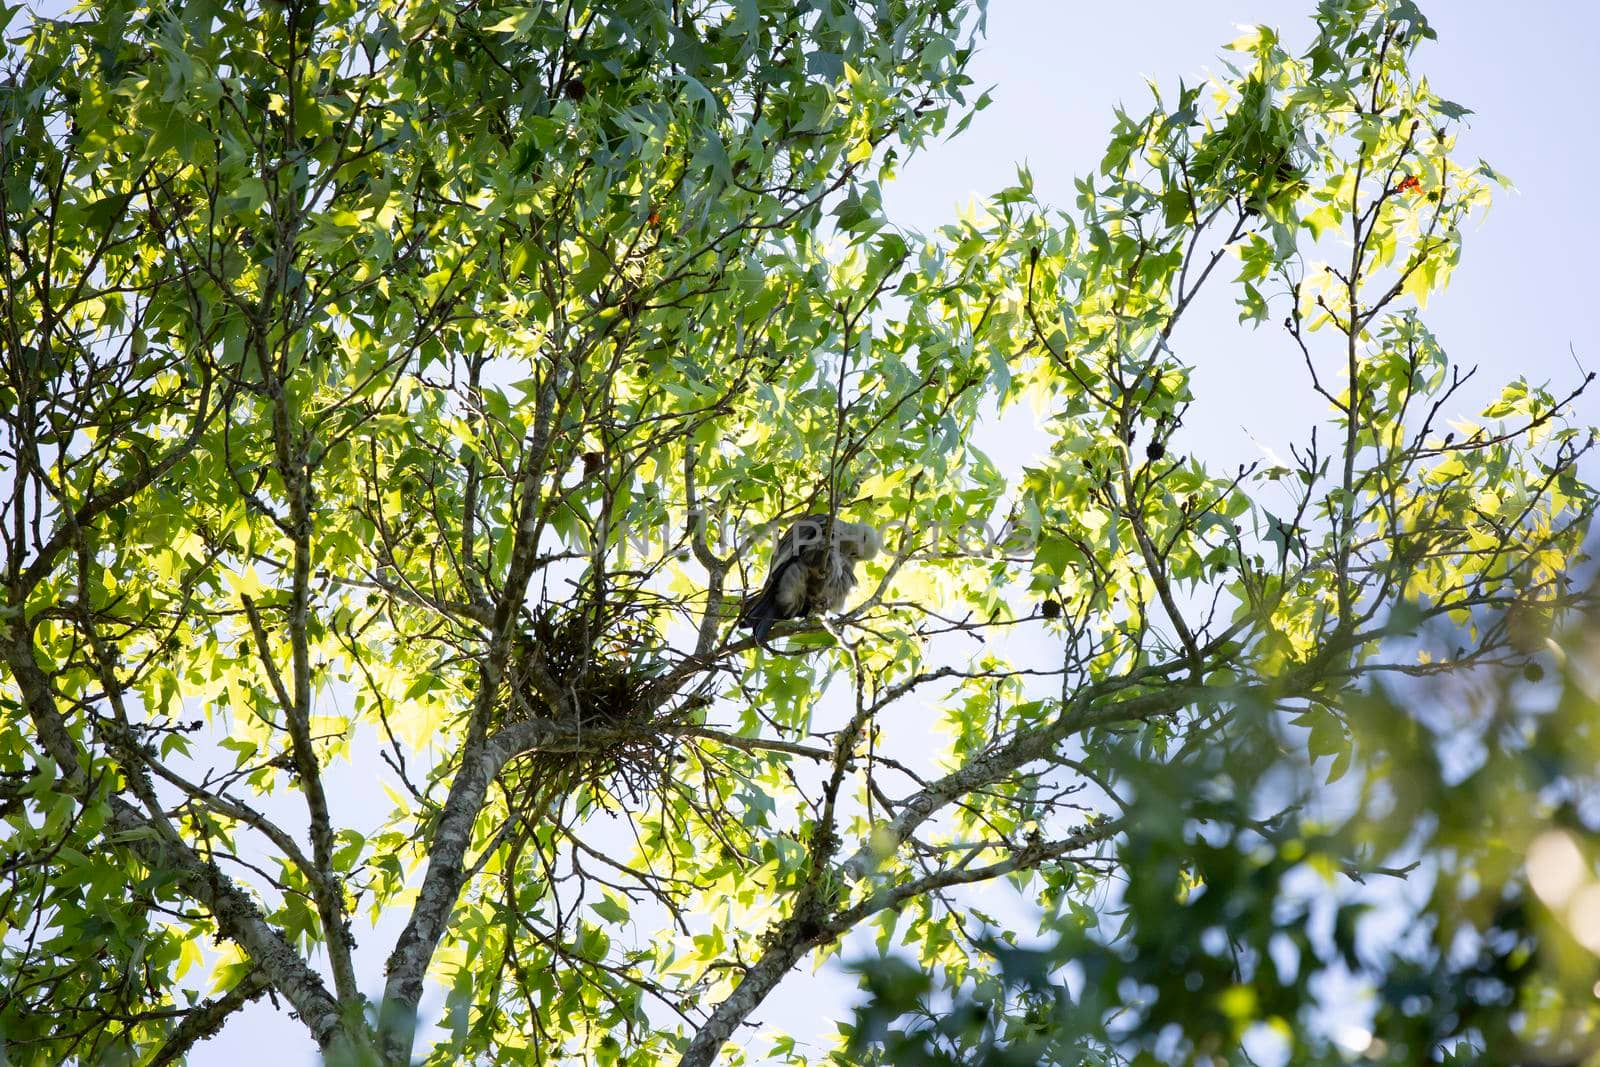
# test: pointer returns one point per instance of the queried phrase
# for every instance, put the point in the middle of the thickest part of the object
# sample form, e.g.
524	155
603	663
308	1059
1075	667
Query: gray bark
154	843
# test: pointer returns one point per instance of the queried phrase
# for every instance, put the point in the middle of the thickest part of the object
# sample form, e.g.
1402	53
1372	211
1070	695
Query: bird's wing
806	532
789	586
783	594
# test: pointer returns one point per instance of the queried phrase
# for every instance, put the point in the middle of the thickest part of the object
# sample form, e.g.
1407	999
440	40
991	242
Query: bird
813	569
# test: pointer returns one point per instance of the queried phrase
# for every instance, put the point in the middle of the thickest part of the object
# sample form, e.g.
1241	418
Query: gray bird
813	569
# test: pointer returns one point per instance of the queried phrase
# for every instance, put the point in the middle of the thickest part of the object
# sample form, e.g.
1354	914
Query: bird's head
858	541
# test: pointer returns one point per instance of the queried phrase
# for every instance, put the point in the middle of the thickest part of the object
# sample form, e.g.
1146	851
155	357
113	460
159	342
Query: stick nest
598	667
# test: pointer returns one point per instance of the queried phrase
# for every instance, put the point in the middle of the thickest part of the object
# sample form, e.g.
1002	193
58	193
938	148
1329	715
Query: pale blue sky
1520	298
1527	70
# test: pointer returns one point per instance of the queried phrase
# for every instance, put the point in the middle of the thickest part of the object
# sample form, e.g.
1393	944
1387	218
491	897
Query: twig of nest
589	672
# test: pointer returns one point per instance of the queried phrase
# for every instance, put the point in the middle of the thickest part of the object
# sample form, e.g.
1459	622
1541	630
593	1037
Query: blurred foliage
1442	908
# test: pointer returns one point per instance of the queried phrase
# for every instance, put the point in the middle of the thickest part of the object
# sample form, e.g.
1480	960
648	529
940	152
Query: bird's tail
759	613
